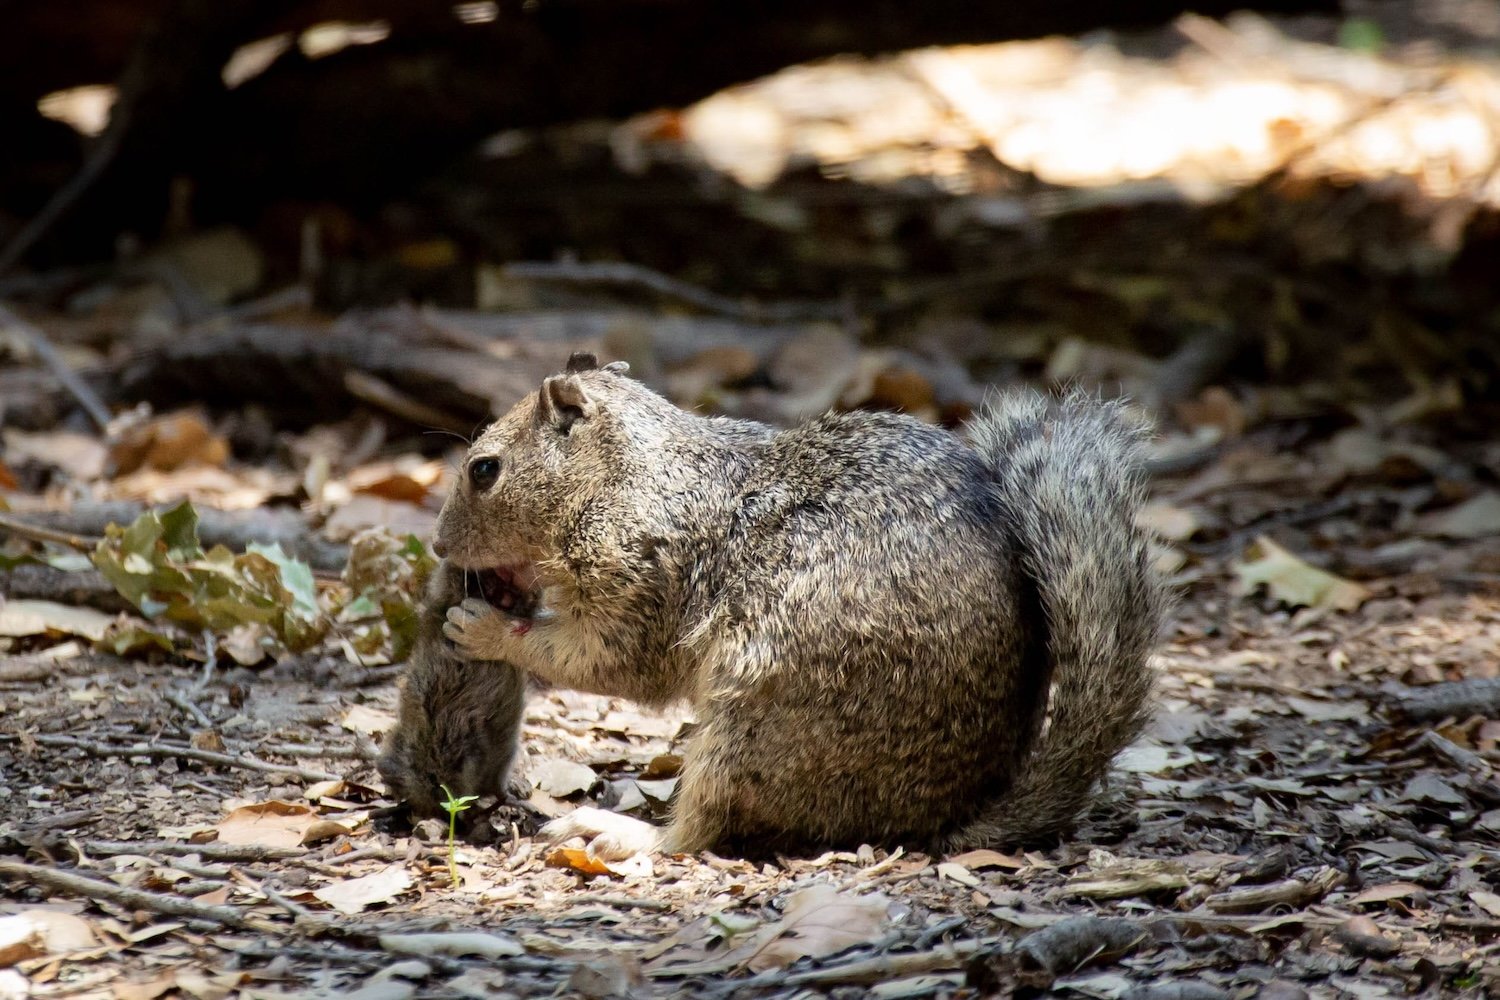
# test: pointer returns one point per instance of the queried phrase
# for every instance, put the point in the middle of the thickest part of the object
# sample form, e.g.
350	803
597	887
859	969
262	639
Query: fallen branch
83	587
182	753
42	533
80	391
232	529
69	883
1453	699
635	276
1291	892
251	853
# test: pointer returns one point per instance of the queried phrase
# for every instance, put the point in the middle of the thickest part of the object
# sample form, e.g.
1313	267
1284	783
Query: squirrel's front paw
476	629
610	836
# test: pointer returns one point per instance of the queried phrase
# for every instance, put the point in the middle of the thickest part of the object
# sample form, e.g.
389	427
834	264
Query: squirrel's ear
581	361
618	367
564	401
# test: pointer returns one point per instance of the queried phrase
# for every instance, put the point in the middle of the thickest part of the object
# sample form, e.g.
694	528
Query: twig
38	533
1456	699
302	917
318	750
183	702
623	902
66	882
635	276
86	397
1454	754
208	852
189	753
384	396
1295	892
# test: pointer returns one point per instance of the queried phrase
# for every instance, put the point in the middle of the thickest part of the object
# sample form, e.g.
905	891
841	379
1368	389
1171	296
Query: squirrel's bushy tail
1070	476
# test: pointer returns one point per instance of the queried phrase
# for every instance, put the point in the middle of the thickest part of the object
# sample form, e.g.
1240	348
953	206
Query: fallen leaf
320	830
607	974
1477	517
1489	902
561	778
23	618
355	894
1387	892
818	920
1431	788
987	859
148	989
1175	524
954	872
368	720
577	859
168	442
267	824
1294	582
79	455
40	931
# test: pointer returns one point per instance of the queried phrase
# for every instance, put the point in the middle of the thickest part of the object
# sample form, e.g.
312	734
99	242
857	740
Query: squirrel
458	723
889	635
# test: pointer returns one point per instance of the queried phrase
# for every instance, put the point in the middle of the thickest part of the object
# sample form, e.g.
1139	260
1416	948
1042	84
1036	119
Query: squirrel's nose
438	548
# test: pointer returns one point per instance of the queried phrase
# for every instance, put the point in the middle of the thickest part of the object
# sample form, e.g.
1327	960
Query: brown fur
866	612
458	723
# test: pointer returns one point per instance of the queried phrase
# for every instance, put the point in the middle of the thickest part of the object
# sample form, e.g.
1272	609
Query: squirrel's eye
483	473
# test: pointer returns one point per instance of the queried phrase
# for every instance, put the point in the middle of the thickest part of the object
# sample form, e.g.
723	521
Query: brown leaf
1389	891
267	824
354	894
1294	582
168	442
987	859
39	931
819	920
23	618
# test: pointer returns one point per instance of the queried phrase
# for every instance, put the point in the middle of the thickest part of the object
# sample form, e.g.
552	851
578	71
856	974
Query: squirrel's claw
610	836
464	627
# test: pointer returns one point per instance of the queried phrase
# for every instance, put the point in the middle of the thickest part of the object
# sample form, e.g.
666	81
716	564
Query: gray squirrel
888	635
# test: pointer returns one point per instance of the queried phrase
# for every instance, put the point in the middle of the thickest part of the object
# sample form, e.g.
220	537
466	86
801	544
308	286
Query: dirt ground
1284	830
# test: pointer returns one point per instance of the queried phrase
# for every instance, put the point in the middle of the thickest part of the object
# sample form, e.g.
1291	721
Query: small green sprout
454	806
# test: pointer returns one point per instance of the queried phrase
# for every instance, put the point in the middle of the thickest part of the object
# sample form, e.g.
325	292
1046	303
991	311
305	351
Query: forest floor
1297	822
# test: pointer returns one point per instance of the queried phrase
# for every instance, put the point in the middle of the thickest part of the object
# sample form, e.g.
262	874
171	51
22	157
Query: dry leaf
148	990
40	931
578	860
320	830
168	442
368	719
1175	524
818	920
1478	517
267	824
1489	902
987	859
354	894
957	873
79	455
1295	583
561	778
22	618
1387	892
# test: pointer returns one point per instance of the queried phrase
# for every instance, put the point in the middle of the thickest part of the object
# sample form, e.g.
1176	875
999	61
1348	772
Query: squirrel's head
572	445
